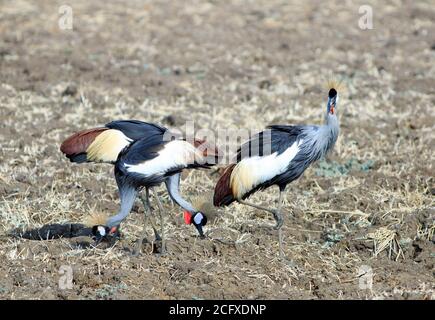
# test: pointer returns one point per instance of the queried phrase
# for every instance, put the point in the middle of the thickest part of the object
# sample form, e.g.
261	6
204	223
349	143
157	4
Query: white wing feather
175	154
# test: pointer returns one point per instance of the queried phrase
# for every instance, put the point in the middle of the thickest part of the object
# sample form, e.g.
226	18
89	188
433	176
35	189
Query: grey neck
331	124
173	186
319	140
127	195
329	132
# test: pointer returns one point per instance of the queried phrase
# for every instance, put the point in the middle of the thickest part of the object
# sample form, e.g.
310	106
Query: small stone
195	69
82	242
284	46
172	120
70	90
264	84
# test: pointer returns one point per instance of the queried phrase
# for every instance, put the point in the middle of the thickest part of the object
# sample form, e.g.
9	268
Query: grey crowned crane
144	155
277	156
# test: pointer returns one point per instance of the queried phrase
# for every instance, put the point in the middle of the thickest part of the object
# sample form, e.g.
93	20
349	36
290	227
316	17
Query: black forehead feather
332	93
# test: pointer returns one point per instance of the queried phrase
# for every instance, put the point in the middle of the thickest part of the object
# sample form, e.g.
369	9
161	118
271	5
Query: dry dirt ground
238	64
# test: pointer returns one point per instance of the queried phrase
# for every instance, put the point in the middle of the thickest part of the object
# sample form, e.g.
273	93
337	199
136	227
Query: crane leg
147	217
282	256
280	242
276	213
147	205
279	222
162	226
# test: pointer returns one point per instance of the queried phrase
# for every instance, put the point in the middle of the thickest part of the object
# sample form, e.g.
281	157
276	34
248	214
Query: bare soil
239	64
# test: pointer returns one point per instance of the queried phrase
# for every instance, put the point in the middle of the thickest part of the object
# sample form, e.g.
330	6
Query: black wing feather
136	129
273	139
143	149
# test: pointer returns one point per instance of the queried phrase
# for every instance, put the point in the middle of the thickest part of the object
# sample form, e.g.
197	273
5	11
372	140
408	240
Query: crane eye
332	93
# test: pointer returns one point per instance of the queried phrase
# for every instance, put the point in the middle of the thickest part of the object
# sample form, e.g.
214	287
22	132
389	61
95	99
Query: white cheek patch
102	231
198	218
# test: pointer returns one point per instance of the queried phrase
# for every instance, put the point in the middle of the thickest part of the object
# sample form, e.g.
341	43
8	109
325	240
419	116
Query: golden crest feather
337	84
204	204
96	219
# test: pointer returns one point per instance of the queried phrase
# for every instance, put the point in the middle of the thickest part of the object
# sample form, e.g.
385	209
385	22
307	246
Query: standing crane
277	156
144	155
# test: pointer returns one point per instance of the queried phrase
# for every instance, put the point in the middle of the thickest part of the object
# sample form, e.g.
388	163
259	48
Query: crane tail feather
223	194
79	158
75	146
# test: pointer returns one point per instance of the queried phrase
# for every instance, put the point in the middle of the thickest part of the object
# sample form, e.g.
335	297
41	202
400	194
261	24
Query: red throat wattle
187	217
332	110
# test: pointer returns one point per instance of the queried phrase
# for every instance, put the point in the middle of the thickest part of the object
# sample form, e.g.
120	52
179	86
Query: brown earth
239	64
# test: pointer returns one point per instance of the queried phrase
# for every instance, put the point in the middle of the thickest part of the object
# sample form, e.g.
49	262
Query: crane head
101	232
332	101
198	219
334	86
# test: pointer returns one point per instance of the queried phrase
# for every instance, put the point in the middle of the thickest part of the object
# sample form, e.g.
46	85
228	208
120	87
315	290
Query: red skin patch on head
187	217
113	230
331	110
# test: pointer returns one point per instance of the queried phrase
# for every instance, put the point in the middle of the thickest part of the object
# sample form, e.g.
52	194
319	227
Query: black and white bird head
101	232
335	89
198	219
332	102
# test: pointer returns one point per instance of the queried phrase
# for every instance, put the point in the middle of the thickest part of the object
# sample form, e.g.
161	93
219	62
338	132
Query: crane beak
200	231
